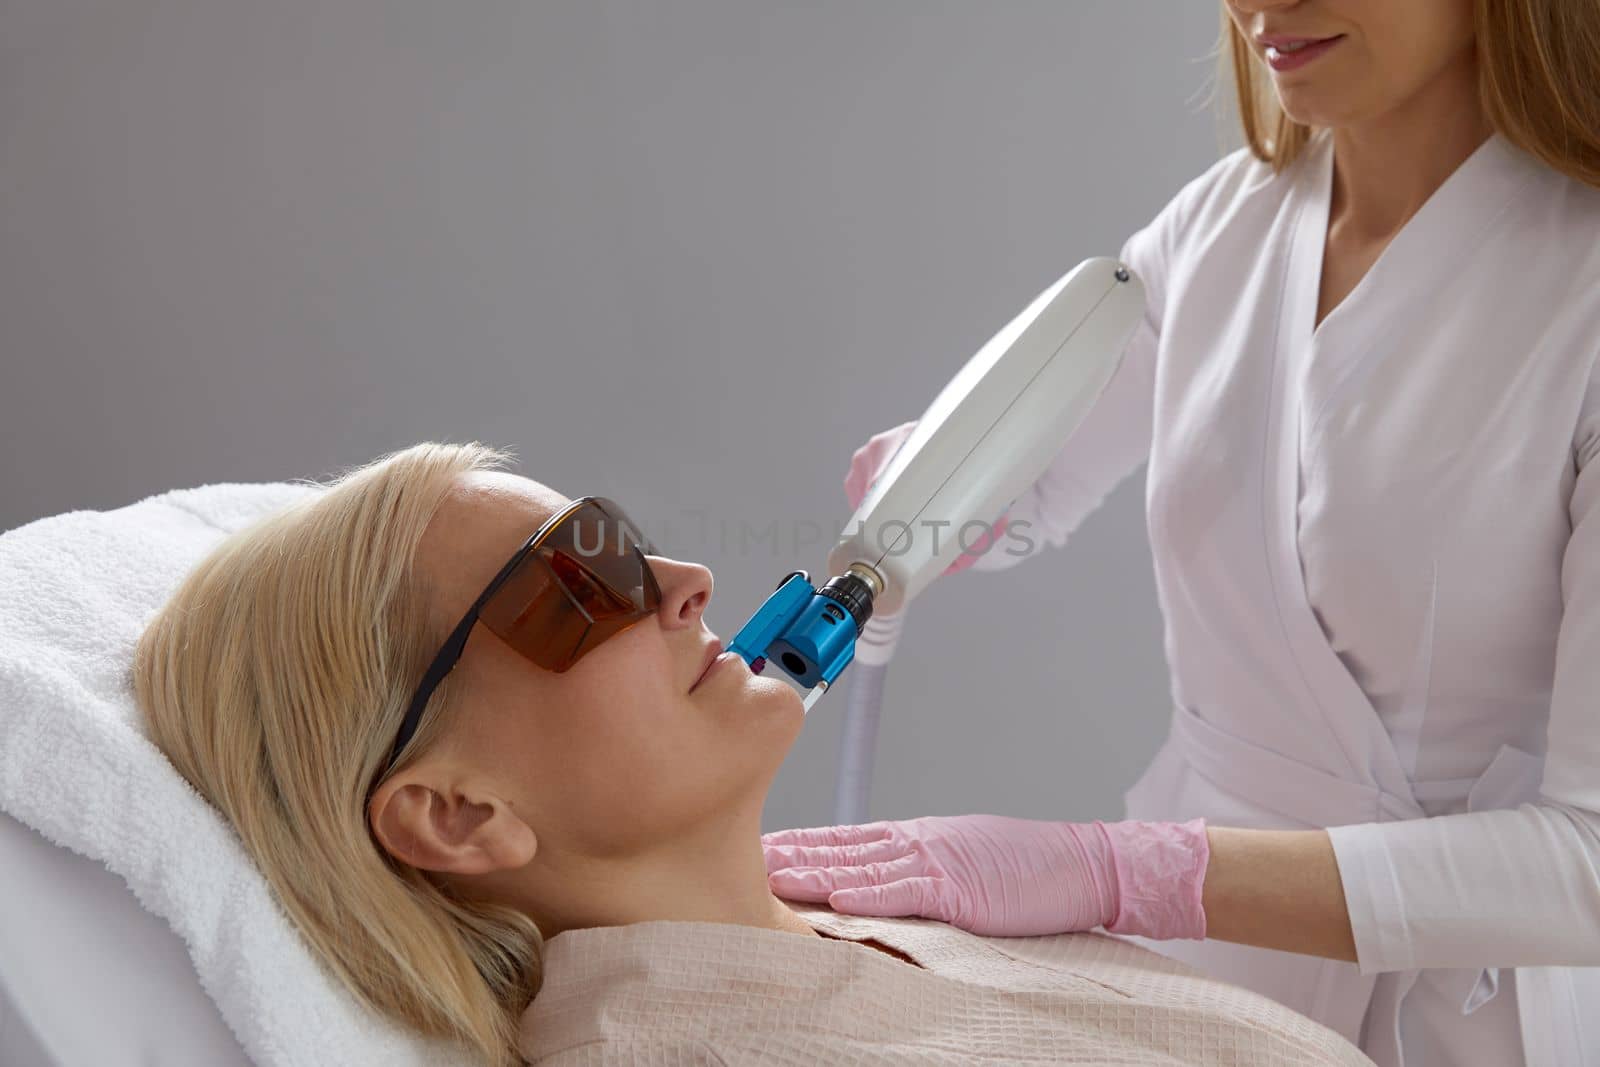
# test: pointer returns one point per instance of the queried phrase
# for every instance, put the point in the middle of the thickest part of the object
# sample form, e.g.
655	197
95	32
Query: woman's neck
1387	167
715	873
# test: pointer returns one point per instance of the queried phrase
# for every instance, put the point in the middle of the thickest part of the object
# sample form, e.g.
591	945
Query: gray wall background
687	254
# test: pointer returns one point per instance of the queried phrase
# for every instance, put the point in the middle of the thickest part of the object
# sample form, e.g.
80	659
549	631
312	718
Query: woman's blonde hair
275	680
1538	81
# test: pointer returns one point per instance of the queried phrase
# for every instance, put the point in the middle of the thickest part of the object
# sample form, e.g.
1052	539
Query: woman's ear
435	827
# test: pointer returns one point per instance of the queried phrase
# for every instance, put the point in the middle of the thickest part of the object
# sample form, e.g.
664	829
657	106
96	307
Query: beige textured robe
667	993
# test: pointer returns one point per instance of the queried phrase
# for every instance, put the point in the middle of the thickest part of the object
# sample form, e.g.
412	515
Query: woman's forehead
485	517
508	497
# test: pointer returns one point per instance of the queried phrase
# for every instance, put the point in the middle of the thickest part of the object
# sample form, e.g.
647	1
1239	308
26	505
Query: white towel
77	766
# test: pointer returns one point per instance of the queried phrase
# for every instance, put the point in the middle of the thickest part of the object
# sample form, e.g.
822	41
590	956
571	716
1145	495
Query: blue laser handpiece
810	633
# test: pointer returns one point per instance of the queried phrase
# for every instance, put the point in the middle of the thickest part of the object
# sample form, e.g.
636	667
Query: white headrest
77	768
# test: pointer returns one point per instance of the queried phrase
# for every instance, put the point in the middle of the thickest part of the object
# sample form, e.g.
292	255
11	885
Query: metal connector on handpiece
869	574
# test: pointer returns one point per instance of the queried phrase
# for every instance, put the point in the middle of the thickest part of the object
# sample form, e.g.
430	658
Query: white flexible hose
863	705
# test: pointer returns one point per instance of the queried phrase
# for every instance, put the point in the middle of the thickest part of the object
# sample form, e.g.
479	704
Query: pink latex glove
998	876
868	462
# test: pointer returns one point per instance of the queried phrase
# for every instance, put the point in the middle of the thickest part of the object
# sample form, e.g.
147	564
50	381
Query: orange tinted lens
586	581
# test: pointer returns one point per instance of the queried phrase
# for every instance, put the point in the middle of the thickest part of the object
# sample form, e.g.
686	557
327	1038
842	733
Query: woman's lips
725	657
1279	59
718	656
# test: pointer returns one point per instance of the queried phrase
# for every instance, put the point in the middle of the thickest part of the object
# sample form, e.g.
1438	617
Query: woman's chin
775	694
742	695
769	699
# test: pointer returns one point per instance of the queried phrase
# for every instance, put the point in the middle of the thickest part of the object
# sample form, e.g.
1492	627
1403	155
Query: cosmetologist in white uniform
1373	501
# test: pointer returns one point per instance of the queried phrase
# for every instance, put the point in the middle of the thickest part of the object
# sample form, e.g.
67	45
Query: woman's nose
1250	7
1245	8
685	590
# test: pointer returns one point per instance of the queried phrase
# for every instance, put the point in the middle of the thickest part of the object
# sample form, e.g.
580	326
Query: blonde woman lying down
563	863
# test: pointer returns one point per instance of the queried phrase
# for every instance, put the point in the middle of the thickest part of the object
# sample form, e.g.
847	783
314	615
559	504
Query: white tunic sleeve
1114	438
1513	887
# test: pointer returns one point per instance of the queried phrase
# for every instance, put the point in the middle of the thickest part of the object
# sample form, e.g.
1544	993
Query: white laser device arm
988	435
992	431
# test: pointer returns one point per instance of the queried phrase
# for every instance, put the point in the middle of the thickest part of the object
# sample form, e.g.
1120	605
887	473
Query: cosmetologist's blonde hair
1538	80
275	680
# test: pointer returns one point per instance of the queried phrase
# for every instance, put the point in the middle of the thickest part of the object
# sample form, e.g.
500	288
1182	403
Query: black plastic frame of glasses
456	643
